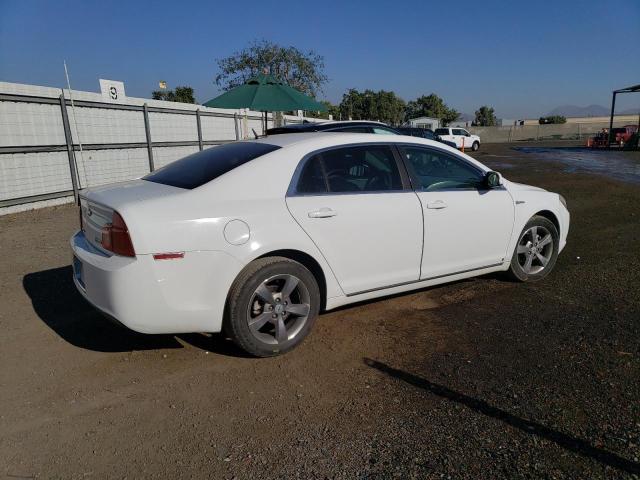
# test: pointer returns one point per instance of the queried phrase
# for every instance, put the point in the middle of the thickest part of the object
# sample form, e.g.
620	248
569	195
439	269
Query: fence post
235	124
147	130
199	128
72	156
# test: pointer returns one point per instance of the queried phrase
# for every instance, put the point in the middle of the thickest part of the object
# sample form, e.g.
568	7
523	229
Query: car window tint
458	131
383	131
370	168
442	131
440	171
202	167
311	178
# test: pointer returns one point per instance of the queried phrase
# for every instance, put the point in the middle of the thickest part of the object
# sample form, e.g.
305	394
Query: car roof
316	140
320	126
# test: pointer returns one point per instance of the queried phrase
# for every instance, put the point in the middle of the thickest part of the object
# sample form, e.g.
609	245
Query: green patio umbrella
265	93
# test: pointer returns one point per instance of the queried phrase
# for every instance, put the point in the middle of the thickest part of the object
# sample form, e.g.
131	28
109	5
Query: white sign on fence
112	89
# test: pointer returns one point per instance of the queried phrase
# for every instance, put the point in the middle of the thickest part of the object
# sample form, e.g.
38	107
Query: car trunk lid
98	204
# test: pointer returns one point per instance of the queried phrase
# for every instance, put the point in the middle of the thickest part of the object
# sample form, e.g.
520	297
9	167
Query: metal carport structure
633	89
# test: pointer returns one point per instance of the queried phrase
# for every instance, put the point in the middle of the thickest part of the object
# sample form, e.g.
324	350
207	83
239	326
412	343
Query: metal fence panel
30	124
98	167
167	127
164	155
216	128
31	174
99	125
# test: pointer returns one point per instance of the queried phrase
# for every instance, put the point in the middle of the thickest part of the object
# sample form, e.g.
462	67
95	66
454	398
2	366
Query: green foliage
303	71
331	110
552	119
431	106
383	106
180	94
485	117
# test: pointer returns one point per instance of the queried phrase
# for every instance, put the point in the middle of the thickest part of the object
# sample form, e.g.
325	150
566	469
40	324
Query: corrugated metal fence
49	149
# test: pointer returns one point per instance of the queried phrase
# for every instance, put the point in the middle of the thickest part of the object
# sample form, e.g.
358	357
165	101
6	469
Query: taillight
115	237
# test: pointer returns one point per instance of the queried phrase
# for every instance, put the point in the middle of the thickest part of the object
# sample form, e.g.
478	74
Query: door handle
324	212
436	205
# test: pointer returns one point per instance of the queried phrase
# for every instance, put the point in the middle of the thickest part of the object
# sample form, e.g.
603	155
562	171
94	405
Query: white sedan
256	238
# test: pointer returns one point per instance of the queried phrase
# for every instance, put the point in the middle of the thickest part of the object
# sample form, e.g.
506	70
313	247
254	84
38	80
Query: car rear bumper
156	296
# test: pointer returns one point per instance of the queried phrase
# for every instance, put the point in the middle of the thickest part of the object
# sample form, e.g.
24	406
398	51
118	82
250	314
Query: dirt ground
479	379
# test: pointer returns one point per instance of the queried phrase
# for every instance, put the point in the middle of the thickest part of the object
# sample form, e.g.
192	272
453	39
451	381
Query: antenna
75	120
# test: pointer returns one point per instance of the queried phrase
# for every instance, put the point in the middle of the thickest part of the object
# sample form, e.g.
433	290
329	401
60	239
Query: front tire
536	252
272	306
475	146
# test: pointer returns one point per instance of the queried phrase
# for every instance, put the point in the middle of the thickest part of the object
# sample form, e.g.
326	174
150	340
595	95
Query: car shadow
529	427
61	307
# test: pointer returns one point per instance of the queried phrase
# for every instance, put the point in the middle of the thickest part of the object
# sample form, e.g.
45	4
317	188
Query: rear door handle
324	212
437	205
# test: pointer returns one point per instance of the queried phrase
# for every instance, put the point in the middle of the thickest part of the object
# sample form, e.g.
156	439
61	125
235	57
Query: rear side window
202	167
442	131
370	168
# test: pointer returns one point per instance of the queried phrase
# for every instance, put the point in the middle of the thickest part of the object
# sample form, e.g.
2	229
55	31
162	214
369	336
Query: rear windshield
202	167
442	131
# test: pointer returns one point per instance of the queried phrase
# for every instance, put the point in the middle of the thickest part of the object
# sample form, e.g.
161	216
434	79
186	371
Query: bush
552	119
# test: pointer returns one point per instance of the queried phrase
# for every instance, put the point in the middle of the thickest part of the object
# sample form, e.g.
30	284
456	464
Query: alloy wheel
535	249
279	308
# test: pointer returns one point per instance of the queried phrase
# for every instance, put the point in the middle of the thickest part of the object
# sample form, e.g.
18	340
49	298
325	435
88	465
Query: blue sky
523	58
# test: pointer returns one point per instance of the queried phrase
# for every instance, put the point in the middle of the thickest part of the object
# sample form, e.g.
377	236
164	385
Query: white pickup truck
460	137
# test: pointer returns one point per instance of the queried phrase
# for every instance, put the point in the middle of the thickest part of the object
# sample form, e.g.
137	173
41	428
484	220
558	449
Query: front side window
370	168
435	170
202	167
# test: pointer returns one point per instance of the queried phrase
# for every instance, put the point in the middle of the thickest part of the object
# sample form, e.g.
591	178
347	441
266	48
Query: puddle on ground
613	164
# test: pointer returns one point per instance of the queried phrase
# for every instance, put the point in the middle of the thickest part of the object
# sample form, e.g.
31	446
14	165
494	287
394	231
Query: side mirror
492	179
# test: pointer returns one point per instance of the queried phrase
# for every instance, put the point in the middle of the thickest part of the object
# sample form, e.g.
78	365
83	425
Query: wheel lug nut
274	316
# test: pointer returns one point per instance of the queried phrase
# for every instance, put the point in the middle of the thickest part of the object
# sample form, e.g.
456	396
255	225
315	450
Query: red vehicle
619	136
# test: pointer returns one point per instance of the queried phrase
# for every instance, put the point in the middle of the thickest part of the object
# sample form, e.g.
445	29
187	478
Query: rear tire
272	306
475	146
536	252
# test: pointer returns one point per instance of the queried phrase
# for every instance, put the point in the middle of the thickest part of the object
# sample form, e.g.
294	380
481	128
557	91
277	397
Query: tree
302	71
485	117
383	105
431	106
552	119
332	110
180	94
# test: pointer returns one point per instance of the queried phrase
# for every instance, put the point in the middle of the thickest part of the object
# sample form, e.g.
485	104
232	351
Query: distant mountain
576	111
